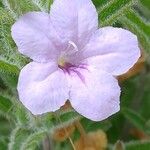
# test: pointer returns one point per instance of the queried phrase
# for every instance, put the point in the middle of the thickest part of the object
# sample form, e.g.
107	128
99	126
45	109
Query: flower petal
114	50
97	96
42	87
75	20
35	36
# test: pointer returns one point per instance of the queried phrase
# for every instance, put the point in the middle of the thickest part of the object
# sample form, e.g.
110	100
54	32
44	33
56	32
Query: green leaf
139	26
5	17
119	146
138	145
142	24
18	7
45	121
18	135
21	115
113	10
33	140
92	126
100	3
8	52
144	8
3	143
8	69
136	119
5	108
8	6
5	104
5	127
65	118
43	5
9	74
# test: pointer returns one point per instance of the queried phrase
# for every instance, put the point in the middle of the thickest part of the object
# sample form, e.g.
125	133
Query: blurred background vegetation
20	130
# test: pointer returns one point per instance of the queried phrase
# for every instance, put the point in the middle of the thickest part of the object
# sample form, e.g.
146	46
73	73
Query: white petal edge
97	97
42	88
35	37
75	20
114	50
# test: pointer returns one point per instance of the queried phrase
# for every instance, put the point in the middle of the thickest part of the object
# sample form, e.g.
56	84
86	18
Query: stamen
74	45
65	56
61	62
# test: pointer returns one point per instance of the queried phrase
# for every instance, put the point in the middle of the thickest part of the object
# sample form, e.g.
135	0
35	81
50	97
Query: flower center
67	64
65	59
61	63
64	65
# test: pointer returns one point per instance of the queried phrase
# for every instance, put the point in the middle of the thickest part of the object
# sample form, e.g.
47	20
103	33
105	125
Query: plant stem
47	143
66	132
80	128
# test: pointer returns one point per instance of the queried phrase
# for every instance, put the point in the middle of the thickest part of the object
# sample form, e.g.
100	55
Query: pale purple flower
72	59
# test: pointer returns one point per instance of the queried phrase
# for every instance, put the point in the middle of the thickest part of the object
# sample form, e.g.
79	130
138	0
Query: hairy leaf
138	145
18	135
136	119
139	26
113	10
31	142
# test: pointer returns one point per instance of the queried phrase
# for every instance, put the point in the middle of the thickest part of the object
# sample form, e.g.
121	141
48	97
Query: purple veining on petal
69	68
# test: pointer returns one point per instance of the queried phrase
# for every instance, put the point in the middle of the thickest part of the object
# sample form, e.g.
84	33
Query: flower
72	59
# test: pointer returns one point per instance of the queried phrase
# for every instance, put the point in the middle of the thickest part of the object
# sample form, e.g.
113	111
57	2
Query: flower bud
92	141
63	133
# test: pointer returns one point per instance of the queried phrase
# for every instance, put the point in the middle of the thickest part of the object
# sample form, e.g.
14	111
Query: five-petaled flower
72	59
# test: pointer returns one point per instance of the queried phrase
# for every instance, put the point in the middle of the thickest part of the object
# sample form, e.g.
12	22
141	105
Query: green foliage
113	10
136	119
66	117
3	143
142	145
133	145
134	22
119	146
8	69
20	130
144	8
8	52
21	116
33	140
6	108
43	5
9	74
92	126
18	135
18	7
5	104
